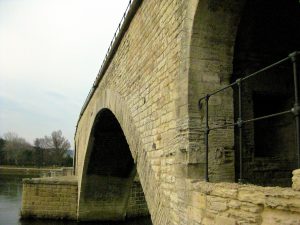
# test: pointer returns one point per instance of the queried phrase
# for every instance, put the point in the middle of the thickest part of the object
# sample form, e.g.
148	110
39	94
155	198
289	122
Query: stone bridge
140	136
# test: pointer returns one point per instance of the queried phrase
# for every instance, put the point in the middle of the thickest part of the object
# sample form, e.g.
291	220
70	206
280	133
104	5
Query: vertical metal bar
296	109
206	138
240	126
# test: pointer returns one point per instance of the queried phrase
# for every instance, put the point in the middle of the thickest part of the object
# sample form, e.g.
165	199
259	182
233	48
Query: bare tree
44	143
60	145
14	147
57	144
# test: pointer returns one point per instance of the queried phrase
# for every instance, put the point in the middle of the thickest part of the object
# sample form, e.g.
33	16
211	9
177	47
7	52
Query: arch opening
268	31
110	187
110	154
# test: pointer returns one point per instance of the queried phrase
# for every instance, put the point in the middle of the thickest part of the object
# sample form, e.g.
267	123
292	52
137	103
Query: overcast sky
50	54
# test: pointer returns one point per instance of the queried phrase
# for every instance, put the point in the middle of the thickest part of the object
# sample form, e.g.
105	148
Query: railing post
206	138
240	126
296	109
240	122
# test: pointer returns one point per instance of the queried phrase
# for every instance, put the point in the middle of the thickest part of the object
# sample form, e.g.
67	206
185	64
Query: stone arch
268	31
110	146
109	174
211	54
110	99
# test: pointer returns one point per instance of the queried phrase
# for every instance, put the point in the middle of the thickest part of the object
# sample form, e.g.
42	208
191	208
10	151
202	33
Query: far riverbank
32	171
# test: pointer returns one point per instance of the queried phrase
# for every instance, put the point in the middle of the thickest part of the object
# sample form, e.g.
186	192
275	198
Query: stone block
251	194
291	204
225	190
244	217
235	204
195	214
222	220
198	200
250	207
216	203
279	217
296	180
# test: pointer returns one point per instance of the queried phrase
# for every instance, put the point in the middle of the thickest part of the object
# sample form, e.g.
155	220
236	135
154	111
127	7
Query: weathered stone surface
70	180
228	191
198	200
296	180
251	194
225	220
279	217
244	204
51	197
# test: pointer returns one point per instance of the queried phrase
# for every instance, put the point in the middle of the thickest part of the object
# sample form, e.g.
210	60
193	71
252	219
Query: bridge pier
111	198
50	198
107	198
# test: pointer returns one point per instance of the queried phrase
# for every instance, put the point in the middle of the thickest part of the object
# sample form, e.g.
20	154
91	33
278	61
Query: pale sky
50	54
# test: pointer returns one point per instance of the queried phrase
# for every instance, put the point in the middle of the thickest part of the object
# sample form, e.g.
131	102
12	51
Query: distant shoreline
13	170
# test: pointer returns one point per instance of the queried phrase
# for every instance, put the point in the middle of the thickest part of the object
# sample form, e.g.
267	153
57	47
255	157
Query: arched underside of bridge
116	180
110	188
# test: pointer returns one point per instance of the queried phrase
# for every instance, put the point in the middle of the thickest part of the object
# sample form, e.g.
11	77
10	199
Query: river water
10	205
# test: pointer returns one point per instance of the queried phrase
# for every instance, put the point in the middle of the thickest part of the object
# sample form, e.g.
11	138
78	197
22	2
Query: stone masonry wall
211	54
235	204
137	205
140	87
54	197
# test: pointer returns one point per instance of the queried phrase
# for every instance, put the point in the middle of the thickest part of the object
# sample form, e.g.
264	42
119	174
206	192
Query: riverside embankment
34	171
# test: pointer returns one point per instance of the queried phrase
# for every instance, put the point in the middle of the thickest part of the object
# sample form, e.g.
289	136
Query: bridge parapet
232	203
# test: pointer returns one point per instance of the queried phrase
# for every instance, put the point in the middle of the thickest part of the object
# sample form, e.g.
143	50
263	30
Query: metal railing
240	122
117	32
106	58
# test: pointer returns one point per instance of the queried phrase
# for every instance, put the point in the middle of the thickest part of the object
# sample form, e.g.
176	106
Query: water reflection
10	185
10	199
10	204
